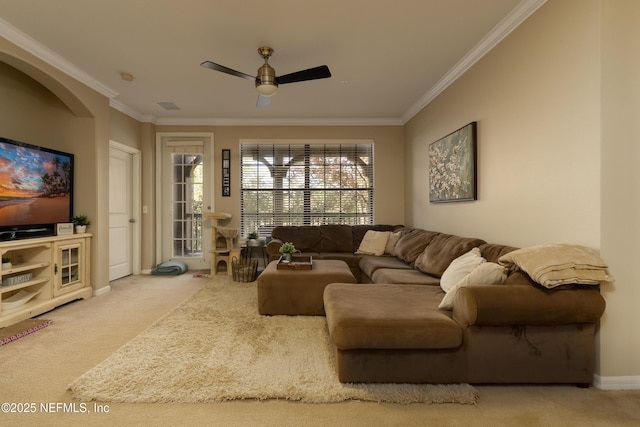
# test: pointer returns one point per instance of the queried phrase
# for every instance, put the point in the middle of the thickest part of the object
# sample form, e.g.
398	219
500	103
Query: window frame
302	176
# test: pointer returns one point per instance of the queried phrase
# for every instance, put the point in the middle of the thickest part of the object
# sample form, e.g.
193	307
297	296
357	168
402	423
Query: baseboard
101	291
617	383
145	272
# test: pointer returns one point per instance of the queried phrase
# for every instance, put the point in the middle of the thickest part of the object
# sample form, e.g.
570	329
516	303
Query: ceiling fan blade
217	67
321	72
263	101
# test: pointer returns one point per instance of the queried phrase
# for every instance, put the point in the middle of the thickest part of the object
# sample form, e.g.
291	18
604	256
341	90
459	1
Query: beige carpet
216	347
39	367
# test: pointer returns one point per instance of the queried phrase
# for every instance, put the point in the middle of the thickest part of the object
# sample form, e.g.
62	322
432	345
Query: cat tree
224	242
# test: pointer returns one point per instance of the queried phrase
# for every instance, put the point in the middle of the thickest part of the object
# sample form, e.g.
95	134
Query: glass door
187	204
185	195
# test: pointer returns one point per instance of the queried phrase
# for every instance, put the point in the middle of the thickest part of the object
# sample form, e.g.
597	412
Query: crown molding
278	122
187	121
25	42
516	17
135	114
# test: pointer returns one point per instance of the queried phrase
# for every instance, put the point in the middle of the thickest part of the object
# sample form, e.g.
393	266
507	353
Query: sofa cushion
304	237
388	317
390	249
369	264
492	252
408	276
335	238
442	250
412	243
373	243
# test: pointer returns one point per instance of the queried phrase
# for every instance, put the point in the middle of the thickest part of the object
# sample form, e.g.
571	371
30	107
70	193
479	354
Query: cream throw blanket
559	264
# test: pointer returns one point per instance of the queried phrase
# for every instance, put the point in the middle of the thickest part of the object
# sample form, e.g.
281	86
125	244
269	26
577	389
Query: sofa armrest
502	305
273	247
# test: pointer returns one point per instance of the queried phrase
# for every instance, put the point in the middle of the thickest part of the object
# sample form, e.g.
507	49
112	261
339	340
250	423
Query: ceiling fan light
266	83
267	89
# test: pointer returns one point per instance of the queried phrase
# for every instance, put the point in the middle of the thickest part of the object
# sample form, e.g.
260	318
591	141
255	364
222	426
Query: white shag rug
216	347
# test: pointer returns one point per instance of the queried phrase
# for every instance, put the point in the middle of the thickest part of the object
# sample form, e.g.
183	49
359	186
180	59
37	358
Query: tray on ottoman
298	262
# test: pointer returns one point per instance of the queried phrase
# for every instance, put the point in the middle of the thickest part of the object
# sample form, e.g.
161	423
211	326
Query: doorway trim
136	200
161	137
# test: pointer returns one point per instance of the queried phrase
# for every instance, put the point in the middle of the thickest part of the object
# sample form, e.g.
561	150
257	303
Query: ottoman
295	292
393	333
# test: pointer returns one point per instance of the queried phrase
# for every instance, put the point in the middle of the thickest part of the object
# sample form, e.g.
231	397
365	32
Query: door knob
132	220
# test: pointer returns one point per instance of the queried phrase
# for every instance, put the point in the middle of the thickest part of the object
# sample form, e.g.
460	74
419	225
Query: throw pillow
390	249
373	243
488	273
459	268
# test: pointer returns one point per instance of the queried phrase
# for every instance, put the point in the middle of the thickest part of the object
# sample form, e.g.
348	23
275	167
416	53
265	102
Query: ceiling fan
266	80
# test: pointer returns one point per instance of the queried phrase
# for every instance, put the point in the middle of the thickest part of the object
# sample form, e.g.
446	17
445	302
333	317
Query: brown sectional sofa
388	327
331	241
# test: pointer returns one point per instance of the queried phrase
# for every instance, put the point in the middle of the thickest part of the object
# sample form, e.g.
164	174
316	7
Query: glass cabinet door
68	267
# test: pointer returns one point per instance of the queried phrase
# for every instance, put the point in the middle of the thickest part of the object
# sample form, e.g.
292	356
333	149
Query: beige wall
124	129
535	98
554	163
43	106
620	230
388	152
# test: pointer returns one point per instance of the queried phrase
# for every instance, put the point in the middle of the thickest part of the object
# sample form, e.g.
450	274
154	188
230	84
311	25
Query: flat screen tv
36	190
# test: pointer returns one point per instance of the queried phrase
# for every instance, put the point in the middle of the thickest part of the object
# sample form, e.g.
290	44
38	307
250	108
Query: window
305	184
187	204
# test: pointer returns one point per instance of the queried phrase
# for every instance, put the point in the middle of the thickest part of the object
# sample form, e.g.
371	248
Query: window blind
305	184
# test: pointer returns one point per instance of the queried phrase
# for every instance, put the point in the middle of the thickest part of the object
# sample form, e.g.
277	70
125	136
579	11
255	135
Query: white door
121	218
184	195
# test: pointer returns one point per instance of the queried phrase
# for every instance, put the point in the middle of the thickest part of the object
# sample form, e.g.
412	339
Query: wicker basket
244	270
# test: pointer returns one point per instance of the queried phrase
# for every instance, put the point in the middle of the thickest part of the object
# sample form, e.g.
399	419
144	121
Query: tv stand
45	273
24	233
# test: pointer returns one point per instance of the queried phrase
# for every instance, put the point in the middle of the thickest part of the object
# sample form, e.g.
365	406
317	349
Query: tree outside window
305	184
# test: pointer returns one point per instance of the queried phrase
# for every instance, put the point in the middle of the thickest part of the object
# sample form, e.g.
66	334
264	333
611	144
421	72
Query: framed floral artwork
452	166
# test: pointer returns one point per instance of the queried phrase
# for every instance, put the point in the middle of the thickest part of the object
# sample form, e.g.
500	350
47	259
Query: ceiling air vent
168	105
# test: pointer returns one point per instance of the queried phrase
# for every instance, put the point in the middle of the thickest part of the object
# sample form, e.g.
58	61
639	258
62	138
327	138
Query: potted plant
287	250
6	263
81	222
252	239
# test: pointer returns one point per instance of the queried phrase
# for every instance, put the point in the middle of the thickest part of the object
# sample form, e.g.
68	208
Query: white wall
558	154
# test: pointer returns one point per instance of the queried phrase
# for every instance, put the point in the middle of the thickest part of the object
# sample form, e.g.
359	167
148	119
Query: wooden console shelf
45	273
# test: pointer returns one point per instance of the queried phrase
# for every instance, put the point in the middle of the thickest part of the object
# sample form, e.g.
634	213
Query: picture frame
226	172
64	229
453	166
